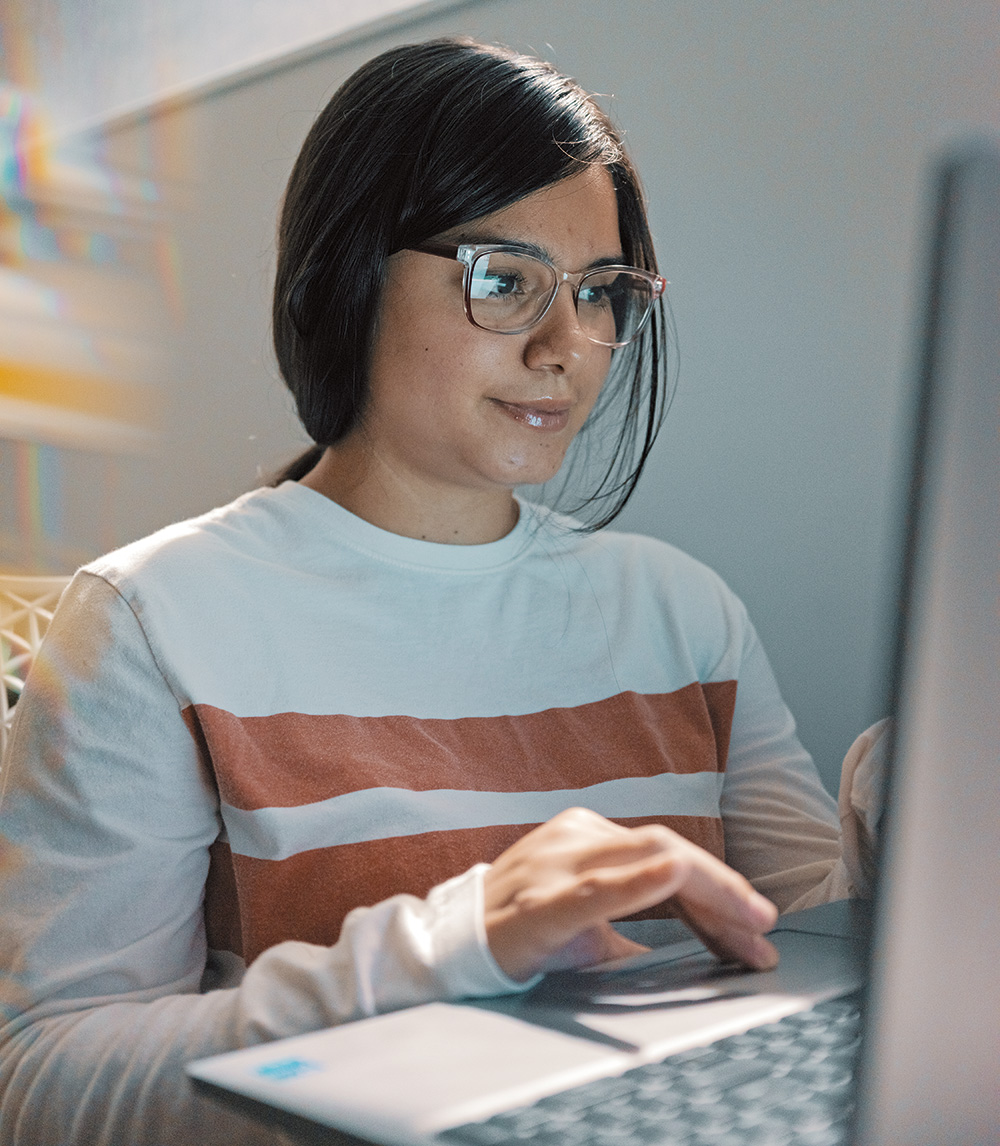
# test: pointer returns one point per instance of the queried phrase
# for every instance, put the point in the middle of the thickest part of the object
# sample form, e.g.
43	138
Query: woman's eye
504	277
593	295
501	285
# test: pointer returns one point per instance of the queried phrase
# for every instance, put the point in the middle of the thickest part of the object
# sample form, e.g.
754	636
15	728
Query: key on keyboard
784	1084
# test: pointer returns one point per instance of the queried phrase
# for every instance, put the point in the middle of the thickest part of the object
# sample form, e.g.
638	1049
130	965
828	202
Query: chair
26	607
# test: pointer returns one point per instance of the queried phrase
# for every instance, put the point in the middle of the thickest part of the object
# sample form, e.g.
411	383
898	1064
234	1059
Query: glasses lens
508	290
613	305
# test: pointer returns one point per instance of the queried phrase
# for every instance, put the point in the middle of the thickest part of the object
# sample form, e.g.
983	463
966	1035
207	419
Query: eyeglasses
508	290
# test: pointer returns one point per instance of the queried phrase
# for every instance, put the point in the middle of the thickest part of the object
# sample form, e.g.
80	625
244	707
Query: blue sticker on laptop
285	1068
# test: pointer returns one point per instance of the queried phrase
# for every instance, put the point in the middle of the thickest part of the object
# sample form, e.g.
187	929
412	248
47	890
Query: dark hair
418	141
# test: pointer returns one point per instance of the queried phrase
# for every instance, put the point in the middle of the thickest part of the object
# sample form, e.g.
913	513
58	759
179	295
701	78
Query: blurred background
784	147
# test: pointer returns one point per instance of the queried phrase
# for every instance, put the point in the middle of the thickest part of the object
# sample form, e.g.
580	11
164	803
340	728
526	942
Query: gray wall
783	147
89	61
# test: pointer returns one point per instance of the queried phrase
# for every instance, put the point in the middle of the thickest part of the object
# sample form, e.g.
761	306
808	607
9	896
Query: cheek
598	375
433	383
460	369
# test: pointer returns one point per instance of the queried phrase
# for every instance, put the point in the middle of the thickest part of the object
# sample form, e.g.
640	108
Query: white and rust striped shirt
251	723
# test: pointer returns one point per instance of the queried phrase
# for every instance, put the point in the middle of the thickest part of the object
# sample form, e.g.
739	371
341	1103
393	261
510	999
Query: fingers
717	903
551	894
600	893
583	839
547	912
725	912
568	876
599	944
732	942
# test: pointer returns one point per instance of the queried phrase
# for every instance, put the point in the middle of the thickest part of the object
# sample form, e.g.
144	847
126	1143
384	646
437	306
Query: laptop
898	1005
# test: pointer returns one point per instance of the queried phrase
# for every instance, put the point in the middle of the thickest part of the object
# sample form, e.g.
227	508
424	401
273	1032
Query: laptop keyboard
784	1084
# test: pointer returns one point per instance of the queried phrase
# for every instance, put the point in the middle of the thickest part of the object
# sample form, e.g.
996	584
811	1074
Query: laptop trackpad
682	995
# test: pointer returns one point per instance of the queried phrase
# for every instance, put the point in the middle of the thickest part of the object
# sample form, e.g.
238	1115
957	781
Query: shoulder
645	565
242	527
655	598
692	594
661	558
213	530
193	594
202	577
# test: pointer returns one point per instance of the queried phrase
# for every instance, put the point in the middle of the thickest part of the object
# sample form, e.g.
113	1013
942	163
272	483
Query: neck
397	504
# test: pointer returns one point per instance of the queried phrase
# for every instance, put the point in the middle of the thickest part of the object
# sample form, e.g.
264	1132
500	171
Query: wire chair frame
26	608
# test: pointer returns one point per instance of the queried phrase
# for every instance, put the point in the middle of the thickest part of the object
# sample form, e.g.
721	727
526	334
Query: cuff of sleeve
462	954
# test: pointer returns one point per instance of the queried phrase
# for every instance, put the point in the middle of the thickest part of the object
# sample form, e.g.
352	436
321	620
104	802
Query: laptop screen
931	1068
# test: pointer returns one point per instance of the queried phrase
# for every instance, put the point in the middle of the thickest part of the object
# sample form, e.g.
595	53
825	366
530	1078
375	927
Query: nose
558	343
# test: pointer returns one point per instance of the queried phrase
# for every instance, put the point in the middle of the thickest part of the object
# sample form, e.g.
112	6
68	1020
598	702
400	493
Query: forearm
807	886
780	822
112	1074
850	870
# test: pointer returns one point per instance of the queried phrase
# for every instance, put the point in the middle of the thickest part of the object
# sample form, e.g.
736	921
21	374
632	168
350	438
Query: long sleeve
781	825
862	783
107	815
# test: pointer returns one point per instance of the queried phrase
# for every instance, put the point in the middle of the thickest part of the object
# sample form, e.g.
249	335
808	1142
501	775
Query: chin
526	470
529	475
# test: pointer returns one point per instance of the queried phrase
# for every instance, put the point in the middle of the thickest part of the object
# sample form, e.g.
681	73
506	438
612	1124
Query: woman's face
456	409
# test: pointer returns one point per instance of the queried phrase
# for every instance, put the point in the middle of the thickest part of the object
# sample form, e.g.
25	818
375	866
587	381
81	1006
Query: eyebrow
482	239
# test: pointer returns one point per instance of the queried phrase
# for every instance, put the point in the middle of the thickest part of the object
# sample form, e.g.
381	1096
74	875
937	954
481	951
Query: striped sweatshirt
266	753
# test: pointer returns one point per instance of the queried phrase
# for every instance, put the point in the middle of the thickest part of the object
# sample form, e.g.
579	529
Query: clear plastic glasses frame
470	255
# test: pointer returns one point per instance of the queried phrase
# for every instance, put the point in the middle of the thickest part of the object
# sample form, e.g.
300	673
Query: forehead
574	221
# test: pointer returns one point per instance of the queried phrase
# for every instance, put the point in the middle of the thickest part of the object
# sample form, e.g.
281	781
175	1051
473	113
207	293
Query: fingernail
767	955
763	906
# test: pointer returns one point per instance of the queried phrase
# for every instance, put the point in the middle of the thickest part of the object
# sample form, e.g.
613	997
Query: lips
541	415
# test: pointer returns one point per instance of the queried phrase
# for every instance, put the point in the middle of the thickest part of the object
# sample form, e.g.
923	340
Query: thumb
597	944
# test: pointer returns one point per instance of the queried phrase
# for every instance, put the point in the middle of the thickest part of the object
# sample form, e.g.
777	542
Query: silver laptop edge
930	1071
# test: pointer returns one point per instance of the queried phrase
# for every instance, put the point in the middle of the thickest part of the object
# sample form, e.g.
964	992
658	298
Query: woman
366	685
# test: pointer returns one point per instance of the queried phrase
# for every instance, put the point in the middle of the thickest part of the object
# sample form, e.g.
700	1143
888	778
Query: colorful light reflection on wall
82	314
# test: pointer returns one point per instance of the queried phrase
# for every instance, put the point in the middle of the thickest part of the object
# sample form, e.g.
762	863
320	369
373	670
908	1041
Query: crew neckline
330	519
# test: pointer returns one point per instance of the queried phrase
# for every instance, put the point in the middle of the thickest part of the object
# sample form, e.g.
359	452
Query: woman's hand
548	897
